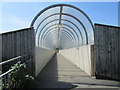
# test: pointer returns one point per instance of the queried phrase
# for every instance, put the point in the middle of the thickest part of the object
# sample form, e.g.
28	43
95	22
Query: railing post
33	52
0	60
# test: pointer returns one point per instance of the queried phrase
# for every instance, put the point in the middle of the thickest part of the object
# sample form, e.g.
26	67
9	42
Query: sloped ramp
61	73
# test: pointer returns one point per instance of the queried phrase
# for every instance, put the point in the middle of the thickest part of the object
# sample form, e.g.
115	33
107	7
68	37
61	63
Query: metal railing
3	76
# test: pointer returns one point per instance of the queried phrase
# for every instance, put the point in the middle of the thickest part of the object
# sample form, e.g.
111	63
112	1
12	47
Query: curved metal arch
45	19
72	17
45	31
63	33
56	28
53	32
64	25
67	33
63	28
63	20
80	23
58	5
72	41
73	30
75	26
66	45
46	41
61	5
67	41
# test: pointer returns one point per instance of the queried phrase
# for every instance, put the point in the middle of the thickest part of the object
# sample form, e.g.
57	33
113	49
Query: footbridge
63	49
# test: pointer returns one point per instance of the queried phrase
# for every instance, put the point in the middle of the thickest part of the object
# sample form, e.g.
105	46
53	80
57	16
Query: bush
18	78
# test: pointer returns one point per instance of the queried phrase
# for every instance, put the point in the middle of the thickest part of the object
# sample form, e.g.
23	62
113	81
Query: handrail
4	62
12	69
6	73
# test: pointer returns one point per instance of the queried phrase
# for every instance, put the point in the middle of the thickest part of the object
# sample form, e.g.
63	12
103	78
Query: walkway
60	73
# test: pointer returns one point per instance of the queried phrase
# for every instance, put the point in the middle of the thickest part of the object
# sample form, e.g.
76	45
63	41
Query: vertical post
0	60
32	32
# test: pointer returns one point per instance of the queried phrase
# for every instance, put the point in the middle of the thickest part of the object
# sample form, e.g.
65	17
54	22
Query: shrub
18	78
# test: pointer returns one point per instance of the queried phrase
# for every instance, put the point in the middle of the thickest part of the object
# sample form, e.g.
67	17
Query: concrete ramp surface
61	73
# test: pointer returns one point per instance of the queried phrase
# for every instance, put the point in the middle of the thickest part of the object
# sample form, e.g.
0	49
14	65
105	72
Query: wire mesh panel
57	27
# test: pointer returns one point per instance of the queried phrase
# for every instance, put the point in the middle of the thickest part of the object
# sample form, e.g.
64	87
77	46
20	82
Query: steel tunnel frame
47	32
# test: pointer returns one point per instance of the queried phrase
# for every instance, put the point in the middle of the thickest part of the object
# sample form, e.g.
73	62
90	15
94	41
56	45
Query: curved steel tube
76	37
63	28
70	36
61	24
70	16
56	28
49	40
63	20
58	5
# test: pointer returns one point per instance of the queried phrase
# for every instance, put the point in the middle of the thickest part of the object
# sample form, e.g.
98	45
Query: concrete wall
42	57
81	57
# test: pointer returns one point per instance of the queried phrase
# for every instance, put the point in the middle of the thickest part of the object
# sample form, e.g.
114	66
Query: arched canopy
62	26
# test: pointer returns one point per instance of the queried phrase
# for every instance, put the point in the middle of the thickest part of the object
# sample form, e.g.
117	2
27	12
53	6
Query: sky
18	15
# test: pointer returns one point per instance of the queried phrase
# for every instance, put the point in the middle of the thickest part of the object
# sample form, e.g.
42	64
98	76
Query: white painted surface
42	57
81	57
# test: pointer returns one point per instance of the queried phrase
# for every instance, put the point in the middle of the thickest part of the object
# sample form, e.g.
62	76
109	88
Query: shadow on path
61	73
48	78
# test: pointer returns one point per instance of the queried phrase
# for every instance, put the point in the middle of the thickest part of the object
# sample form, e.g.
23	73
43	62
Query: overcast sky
18	15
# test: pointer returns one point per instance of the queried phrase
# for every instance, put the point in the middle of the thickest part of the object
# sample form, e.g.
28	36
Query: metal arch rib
55	28
58	5
63	28
66	44
54	32
66	21
67	33
46	30
64	25
67	41
70	16
80	23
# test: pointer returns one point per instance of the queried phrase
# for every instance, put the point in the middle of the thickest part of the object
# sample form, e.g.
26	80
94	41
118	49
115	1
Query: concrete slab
60	73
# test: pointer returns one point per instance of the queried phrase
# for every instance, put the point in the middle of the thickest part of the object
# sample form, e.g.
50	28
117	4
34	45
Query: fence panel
17	43
107	47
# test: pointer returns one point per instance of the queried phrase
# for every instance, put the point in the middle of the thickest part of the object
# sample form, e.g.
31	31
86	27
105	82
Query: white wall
81	57
42	57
